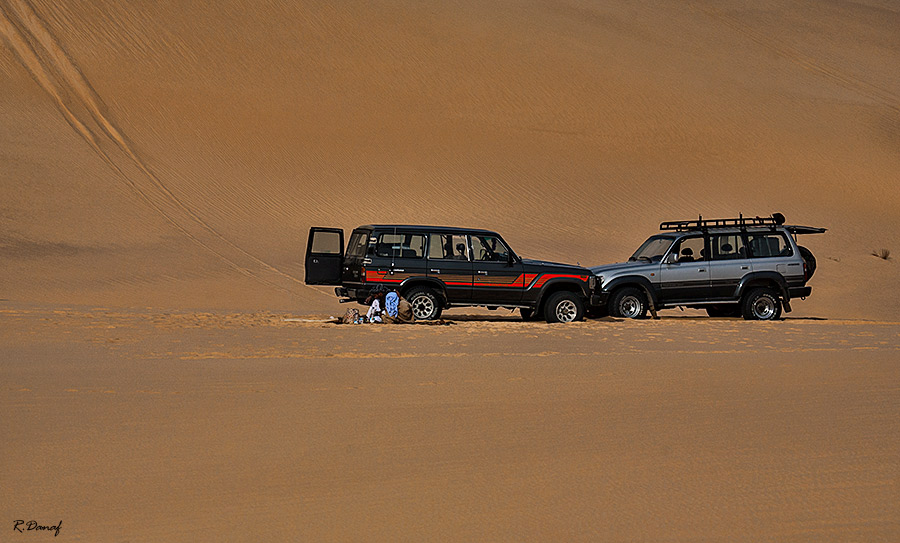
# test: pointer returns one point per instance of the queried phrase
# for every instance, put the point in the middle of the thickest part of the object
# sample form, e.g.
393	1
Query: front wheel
761	304
628	303
563	306
426	304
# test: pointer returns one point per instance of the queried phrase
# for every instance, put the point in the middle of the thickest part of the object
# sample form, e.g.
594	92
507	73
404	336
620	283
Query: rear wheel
425	302
730	310
563	306
761	304
628	303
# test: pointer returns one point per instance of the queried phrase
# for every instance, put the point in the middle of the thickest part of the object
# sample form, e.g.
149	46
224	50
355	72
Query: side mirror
672	259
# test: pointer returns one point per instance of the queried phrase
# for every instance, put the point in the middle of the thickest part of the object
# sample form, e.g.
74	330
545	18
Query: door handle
435	271
745	267
482	272
398	270
701	270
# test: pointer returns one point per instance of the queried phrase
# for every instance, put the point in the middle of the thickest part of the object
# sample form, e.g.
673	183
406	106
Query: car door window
690	249
728	246
400	245
448	247
489	249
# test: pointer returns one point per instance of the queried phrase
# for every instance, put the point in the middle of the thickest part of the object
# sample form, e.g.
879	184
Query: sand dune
161	163
168	155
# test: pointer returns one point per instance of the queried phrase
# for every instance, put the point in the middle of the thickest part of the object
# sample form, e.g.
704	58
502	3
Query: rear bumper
799	292
351	294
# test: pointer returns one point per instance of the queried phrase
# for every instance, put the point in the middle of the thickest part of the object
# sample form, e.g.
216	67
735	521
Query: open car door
324	256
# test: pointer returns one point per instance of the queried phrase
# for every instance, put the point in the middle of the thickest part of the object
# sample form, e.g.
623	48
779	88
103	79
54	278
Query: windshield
653	249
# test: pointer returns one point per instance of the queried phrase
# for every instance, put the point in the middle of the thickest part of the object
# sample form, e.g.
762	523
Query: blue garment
390	303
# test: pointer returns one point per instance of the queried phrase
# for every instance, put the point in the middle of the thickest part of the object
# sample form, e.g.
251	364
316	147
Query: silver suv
750	267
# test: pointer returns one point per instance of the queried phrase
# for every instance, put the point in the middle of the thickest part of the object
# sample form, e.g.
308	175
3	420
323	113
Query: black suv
437	267
750	267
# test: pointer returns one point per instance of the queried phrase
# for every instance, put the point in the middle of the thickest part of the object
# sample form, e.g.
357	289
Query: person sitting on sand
397	309
376	304
391	300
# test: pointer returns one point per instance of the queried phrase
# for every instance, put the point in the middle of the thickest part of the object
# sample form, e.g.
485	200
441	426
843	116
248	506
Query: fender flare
764	277
425	281
579	286
638	281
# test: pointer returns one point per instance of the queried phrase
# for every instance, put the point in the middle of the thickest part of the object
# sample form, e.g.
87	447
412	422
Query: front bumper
599	298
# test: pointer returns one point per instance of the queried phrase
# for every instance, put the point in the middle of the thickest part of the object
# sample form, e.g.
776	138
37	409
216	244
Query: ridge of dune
203	153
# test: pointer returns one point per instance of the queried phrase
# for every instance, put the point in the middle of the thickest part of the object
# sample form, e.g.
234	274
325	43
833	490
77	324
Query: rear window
326	243
769	245
400	245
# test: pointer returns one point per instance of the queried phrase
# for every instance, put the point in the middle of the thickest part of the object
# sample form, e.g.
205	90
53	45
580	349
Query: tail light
362	273
805	271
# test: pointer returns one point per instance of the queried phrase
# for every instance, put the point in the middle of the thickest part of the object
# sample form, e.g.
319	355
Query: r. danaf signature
32	525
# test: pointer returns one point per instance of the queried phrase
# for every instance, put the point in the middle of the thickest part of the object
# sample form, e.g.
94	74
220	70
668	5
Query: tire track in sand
878	94
41	54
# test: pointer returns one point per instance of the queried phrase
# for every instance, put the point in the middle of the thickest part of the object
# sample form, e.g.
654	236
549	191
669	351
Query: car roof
425	228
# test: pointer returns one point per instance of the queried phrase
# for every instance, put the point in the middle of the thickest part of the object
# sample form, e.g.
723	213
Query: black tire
761	304
725	310
809	260
563	306
425	302
527	314
628	303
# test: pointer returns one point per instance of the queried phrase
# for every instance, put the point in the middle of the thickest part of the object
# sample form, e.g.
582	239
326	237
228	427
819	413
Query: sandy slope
184	426
174	156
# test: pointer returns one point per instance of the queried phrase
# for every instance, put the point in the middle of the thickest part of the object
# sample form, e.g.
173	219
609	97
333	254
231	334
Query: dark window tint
728	246
357	244
769	245
447	247
400	245
489	249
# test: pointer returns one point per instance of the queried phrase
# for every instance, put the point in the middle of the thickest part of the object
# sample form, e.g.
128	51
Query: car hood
548	264
619	266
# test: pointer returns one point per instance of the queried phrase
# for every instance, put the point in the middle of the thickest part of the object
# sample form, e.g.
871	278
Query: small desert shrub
883	254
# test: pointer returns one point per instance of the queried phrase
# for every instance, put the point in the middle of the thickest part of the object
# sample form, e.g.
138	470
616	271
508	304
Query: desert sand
161	163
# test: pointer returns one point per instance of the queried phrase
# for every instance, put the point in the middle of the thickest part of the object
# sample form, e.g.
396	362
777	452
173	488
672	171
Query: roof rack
700	223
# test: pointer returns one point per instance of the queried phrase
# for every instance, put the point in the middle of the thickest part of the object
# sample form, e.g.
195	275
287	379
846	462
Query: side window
489	249
768	245
400	245
357	244
447	247
690	249
728	246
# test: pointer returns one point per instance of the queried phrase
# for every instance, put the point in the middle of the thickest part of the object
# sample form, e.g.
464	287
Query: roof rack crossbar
700	223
